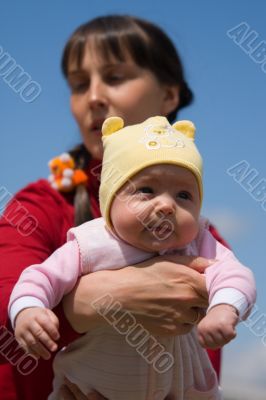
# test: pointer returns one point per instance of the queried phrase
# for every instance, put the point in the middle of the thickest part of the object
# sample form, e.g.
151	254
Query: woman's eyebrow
110	65
106	66
77	72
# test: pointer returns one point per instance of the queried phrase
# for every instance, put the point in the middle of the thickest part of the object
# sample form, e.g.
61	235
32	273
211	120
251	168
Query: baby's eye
145	190
184	195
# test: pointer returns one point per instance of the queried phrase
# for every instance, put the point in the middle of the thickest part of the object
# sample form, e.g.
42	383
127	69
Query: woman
123	66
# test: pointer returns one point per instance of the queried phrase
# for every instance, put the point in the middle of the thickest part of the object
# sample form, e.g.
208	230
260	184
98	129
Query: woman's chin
96	153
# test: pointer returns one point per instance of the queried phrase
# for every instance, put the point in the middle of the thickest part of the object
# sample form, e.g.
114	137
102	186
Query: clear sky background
229	113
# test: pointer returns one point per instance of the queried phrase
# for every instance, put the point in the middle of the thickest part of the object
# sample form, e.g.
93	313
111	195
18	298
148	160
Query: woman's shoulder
41	188
213	230
205	224
40	193
38	202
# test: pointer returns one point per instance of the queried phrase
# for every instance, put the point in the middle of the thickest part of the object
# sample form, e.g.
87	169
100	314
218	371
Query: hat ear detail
185	127
111	125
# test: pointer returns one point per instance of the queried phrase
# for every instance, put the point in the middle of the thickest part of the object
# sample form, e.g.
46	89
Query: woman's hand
69	391
163	294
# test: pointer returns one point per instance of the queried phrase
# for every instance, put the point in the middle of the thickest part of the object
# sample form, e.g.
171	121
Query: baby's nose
166	205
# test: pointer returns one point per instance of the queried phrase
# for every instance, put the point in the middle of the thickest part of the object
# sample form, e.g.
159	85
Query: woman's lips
96	126
96	131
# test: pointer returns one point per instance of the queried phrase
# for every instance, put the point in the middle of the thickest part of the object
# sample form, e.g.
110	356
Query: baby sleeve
44	285
228	281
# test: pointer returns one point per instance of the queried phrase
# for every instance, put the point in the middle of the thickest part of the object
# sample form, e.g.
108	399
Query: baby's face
158	209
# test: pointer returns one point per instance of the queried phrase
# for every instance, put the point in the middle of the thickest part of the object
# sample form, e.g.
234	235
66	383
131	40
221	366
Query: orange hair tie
64	176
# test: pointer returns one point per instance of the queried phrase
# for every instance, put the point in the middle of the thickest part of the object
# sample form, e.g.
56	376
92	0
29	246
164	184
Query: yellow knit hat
129	150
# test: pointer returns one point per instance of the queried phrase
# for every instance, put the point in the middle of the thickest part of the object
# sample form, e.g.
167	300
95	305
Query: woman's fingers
199	287
197	263
159	294
187	285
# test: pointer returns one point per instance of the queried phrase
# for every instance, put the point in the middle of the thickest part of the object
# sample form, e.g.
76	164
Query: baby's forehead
171	171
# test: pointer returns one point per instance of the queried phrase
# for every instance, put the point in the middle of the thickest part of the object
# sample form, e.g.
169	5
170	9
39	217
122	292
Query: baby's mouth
163	231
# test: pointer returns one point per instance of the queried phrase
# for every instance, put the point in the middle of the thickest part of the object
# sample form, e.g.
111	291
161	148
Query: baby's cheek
191	229
127	222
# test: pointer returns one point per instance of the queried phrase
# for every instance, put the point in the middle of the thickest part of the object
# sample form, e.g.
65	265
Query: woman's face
101	89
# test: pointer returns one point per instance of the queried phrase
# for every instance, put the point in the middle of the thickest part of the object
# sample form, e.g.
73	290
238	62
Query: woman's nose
97	94
165	205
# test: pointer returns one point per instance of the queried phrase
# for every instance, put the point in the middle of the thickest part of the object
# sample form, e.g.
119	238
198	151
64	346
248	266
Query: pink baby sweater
116	363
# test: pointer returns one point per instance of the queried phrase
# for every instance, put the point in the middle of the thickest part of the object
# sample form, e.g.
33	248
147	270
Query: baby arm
232	293
36	330
218	327
39	289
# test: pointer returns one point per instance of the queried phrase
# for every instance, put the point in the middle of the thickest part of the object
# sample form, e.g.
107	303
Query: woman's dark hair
81	197
117	36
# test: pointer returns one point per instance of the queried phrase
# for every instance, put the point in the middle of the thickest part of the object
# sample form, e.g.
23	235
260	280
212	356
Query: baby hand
36	329
218	327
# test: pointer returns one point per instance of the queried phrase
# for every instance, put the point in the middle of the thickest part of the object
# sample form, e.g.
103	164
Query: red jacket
34	226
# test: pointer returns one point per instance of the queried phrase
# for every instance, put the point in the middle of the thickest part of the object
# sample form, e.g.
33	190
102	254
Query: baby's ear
185	127
112	125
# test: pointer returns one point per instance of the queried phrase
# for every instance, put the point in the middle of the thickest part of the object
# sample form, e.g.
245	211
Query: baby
150	197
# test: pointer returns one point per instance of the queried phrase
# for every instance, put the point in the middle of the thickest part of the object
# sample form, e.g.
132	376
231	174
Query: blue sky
229	112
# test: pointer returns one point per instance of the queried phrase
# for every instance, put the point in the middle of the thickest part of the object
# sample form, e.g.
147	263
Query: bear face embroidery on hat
163	135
